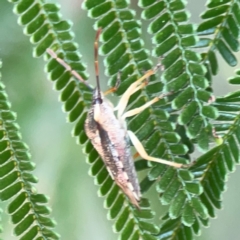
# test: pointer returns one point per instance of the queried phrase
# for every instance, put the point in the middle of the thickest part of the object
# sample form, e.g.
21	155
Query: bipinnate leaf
16	179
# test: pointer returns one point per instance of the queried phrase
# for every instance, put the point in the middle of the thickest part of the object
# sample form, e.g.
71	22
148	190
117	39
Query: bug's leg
135	111
111	90
136	155
67	67
132	89
140	149
114	89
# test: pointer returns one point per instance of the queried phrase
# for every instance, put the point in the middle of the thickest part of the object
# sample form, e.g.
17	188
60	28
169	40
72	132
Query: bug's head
97	96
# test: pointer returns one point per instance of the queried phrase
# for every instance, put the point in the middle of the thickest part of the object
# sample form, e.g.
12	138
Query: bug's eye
97	101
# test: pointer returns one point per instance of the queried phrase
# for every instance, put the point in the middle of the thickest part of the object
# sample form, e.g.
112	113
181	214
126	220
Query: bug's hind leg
140	149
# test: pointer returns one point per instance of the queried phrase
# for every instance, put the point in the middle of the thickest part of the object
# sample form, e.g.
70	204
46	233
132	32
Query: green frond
124	52
219	32
76	99
27	208
213	167
184	74
153	128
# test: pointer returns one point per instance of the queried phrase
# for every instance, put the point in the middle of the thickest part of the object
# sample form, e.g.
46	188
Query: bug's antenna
67	67
96	61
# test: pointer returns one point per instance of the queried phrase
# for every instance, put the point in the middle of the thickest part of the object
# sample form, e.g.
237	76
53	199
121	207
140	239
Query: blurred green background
73	196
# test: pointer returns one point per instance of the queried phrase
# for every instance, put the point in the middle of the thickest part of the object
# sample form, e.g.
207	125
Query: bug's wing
110	141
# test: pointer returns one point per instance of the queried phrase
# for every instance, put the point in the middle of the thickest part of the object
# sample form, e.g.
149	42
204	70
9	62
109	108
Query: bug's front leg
141	151
115	88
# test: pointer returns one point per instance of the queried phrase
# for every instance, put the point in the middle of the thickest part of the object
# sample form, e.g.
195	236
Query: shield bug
109	134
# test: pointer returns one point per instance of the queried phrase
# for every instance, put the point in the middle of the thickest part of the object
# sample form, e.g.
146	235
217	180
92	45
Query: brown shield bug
109	134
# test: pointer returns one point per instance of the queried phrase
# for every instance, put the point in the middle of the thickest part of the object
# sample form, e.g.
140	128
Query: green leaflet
226	53
197	127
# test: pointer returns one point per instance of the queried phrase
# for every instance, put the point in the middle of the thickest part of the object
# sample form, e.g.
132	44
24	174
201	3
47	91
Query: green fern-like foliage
213	167
27	208
219	31
181	193
46	29
169	129
174	38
